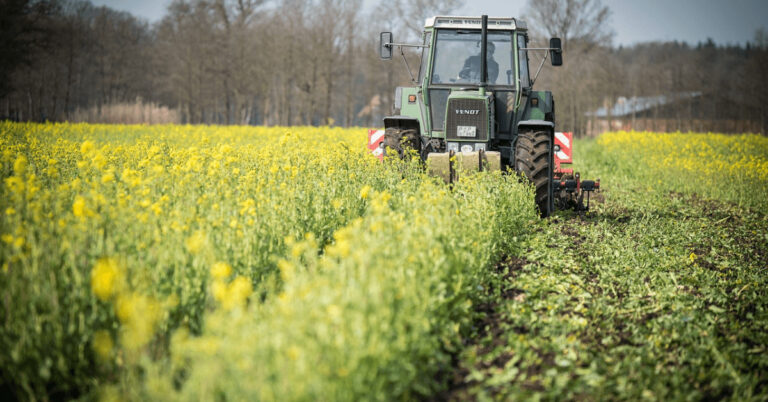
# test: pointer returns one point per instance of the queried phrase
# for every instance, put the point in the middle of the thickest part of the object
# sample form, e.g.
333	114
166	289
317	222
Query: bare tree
409	15
584	21
579	85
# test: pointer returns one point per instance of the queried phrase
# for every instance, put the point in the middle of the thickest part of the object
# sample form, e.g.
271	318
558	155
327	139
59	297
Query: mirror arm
533	81
403	45
413	80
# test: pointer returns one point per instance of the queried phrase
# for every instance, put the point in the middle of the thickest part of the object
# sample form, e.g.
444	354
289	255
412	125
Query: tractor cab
455	68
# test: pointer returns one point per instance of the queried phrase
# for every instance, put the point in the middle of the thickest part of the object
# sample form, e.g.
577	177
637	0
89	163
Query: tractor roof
494	23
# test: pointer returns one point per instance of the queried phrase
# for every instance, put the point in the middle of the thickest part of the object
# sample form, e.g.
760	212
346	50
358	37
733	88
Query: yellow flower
139	315
339	249
196	242
108	177
287	270
239	291
380	202
86	147
221	270
20	165
219	290
103	344
365	191
233	295
106	278
15	184
124	308
80	209
99	161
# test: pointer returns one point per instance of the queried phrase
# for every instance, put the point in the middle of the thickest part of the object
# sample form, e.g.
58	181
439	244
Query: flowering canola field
285	263
257	263
728	167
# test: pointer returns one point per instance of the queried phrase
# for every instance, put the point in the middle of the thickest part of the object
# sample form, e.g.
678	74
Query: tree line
315	62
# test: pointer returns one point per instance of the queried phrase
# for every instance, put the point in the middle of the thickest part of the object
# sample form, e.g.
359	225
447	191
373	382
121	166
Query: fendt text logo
466	111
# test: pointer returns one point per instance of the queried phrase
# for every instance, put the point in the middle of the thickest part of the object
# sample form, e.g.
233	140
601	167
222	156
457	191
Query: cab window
457	57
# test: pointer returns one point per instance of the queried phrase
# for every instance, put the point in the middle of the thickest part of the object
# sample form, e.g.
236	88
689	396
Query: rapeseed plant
106	278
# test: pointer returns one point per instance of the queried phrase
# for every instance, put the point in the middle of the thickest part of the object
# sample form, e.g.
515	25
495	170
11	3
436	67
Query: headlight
466	148
557	147
452	146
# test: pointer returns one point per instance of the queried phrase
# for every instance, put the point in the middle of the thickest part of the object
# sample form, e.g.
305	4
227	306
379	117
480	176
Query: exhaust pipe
483	55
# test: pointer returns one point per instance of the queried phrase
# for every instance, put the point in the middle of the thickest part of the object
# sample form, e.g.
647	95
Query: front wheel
532	157
402	141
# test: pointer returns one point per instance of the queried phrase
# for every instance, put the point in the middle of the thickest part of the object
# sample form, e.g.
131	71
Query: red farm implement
568	187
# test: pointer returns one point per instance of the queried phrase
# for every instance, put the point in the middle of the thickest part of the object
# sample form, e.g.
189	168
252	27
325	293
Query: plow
472	108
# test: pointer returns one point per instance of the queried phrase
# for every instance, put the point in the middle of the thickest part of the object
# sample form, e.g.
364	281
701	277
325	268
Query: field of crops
191	262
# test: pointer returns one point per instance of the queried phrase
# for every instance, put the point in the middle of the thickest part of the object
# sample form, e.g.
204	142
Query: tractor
473	107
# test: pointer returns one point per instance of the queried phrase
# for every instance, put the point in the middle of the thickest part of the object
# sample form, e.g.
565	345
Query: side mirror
385	45
556	52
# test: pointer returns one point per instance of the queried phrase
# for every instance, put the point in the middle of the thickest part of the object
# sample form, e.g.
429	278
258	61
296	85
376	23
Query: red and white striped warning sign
375	137
565	142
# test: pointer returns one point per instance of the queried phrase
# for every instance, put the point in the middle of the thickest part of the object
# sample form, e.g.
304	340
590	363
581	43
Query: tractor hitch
571	192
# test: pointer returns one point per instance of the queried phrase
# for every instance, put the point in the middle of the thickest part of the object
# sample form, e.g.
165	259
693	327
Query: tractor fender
402	122
536	123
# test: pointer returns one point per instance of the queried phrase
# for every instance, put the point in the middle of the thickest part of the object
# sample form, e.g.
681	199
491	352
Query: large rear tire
532	157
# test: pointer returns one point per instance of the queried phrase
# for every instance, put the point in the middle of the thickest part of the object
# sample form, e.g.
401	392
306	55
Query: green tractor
473	105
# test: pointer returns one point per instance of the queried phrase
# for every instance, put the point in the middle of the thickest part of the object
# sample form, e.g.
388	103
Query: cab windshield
457	58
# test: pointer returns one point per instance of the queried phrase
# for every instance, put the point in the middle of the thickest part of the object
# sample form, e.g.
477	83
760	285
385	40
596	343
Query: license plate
466	131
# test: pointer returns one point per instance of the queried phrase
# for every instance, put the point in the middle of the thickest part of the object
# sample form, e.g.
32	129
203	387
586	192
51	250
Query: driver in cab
471	70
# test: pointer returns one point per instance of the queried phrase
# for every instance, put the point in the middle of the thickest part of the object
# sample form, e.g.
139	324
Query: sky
632	21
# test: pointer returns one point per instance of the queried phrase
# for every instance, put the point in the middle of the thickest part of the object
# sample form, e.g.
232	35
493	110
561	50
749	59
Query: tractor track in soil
493	320
491	325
